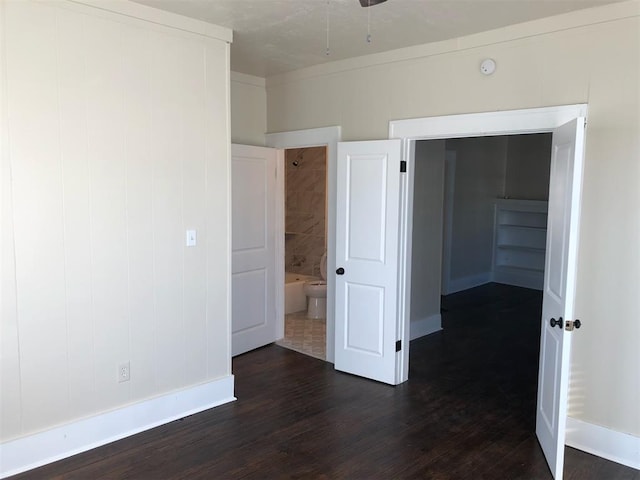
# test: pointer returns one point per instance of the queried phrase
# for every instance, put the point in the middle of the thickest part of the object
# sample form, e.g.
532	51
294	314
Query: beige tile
305	335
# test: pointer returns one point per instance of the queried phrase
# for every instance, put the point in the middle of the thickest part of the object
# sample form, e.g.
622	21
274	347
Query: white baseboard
425	326
64	441
464	283
615	446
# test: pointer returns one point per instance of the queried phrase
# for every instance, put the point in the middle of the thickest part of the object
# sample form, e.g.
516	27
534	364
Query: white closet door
254	247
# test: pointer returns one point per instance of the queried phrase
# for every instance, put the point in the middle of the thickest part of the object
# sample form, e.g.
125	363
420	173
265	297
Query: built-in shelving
520	238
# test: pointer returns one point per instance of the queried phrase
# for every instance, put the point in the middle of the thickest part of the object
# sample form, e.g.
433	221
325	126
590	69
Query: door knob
340	271
556	323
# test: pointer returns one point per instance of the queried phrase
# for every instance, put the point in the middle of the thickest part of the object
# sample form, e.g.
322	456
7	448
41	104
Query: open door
253	287
559	291
367	254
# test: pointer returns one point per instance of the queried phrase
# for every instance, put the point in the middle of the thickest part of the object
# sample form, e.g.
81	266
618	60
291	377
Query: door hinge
398	345
403	166
570	325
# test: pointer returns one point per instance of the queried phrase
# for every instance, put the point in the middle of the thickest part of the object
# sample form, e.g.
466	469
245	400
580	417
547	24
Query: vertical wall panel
37	211
138	139
218	245
167	208
77	246
10	396
194	200
105	111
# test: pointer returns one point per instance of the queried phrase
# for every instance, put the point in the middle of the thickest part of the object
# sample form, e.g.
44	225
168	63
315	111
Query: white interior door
367	251
253	179
559	290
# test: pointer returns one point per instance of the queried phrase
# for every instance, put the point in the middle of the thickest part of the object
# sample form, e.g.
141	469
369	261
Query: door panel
367	248
559	290
366	319
254	247
366	207
252	314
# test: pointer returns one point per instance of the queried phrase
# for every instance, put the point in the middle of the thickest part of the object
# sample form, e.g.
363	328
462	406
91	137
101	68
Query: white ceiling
276	36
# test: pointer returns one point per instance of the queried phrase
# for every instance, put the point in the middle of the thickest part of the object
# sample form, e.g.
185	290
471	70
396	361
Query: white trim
616	446
329	137
405	254
312	137
279	227
508	122
425	326
64	441
157	16
470	281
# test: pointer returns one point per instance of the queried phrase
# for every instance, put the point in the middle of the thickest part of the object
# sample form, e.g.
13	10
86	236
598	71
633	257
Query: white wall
114	141
479	181
591	56
248	109
426	250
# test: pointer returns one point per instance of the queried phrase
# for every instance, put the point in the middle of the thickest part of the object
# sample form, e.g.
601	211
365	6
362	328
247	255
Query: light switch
191	238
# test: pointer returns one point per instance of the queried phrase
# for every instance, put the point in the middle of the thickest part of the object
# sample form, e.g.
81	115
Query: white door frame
315	137
515	122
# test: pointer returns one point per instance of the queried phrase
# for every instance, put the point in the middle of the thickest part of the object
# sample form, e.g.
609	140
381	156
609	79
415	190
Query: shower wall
305	206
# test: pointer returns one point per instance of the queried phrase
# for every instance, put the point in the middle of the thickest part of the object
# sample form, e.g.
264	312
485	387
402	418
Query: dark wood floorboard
467	412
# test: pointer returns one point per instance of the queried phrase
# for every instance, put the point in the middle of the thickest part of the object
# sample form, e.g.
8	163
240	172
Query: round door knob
577	324
340	271
556	323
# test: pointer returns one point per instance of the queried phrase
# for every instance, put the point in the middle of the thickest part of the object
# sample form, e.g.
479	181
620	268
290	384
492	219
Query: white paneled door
253	179
559	291
367	253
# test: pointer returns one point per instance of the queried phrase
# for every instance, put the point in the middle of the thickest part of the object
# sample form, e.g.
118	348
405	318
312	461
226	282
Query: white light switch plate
191	238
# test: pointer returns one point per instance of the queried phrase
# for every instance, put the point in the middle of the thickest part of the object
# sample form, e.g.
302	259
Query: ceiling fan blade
370	3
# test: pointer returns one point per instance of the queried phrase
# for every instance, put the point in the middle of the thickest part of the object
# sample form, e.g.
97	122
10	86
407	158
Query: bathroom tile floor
305	335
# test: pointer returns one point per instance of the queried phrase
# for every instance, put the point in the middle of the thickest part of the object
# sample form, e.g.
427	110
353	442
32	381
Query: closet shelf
522	248
514	225
520	232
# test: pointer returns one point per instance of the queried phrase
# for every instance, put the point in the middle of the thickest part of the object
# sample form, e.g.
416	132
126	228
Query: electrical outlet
124	372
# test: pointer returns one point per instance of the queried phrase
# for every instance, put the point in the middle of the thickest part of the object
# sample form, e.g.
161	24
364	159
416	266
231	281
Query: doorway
495	195
305	245
479	210
316	137
567	124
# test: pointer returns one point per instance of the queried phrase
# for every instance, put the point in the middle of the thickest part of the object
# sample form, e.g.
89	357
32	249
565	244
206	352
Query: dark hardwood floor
467	412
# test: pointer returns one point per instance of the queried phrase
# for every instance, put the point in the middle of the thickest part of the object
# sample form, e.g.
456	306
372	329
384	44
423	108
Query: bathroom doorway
328	138
305	244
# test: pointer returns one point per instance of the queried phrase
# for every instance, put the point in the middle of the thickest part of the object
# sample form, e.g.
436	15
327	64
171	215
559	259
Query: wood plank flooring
467	412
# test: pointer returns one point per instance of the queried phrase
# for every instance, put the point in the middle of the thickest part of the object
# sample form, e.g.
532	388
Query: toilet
316	292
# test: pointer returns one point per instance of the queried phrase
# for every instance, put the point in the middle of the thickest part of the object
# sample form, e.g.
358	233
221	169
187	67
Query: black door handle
556	323
340	271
